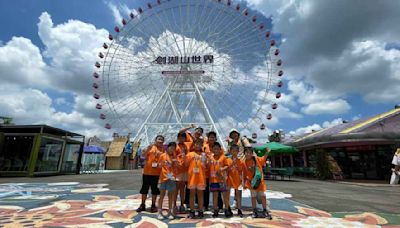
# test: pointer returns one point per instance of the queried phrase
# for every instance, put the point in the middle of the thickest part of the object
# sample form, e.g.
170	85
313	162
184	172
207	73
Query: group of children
193	165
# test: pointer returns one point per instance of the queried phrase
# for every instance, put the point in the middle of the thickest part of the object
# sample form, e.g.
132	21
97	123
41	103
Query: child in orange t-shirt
151	173
250	164
218	166
182	149
235	178
196	162
169	165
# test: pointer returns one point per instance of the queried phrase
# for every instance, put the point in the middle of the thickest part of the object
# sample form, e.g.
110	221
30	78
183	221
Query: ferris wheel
172	63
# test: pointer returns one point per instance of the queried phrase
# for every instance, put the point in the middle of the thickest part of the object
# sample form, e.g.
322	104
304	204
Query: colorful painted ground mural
73	204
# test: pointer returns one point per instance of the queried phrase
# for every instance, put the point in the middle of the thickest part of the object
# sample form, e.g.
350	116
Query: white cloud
22	62
71	50
327	107
316	127
116	13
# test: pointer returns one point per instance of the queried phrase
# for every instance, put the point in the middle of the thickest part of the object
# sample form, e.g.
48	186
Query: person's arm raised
187	128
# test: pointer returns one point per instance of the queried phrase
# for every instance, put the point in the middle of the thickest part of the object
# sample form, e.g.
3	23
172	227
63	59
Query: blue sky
337	68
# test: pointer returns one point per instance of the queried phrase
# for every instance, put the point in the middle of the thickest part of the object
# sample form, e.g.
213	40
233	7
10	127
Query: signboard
173	60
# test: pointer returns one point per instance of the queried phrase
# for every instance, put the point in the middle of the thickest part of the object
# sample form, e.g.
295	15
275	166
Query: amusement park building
32	150
363	148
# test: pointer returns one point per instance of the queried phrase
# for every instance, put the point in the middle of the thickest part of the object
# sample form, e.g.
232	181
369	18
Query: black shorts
150	181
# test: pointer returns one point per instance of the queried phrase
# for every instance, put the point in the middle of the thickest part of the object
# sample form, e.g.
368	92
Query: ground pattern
73	204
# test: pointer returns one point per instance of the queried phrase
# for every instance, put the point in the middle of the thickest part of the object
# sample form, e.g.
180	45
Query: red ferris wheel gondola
278	95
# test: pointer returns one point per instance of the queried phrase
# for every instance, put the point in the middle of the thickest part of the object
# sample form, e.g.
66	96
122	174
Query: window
70	159
15	153
49	155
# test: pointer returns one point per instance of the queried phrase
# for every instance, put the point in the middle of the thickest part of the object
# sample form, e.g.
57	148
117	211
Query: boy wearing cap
242	142
250	164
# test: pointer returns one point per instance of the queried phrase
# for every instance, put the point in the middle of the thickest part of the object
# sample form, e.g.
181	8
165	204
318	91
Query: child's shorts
181	177
217	187
197	186
255	193
168	185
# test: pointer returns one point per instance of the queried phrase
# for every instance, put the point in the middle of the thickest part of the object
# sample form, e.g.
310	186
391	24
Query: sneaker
226	213
182	209
215	214
240	214
233	205
230	212
205	208
201	214
191	215
267	214
141	208
153	209
160	216
255	214
170	216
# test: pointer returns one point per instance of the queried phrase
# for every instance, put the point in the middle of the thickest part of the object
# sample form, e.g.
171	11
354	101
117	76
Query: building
116	158
363	148
31	150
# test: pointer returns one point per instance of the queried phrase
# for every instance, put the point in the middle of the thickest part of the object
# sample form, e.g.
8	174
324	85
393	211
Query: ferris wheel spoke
202	28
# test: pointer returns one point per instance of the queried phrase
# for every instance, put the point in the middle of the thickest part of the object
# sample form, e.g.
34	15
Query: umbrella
276	148
93	149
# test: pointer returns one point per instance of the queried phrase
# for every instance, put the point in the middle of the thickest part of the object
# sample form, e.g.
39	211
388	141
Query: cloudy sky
342	60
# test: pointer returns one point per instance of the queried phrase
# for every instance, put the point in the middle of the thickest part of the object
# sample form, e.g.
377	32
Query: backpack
256	181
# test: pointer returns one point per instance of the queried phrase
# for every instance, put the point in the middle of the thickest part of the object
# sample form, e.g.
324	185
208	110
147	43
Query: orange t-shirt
216	175
235	172
196	169
151	166
168	167
208	150
179	149
249	169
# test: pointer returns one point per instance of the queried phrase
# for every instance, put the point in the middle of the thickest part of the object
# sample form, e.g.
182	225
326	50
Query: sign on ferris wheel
206	59
224	71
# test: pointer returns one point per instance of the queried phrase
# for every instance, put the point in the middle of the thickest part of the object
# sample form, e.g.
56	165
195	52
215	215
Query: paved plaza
110	200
